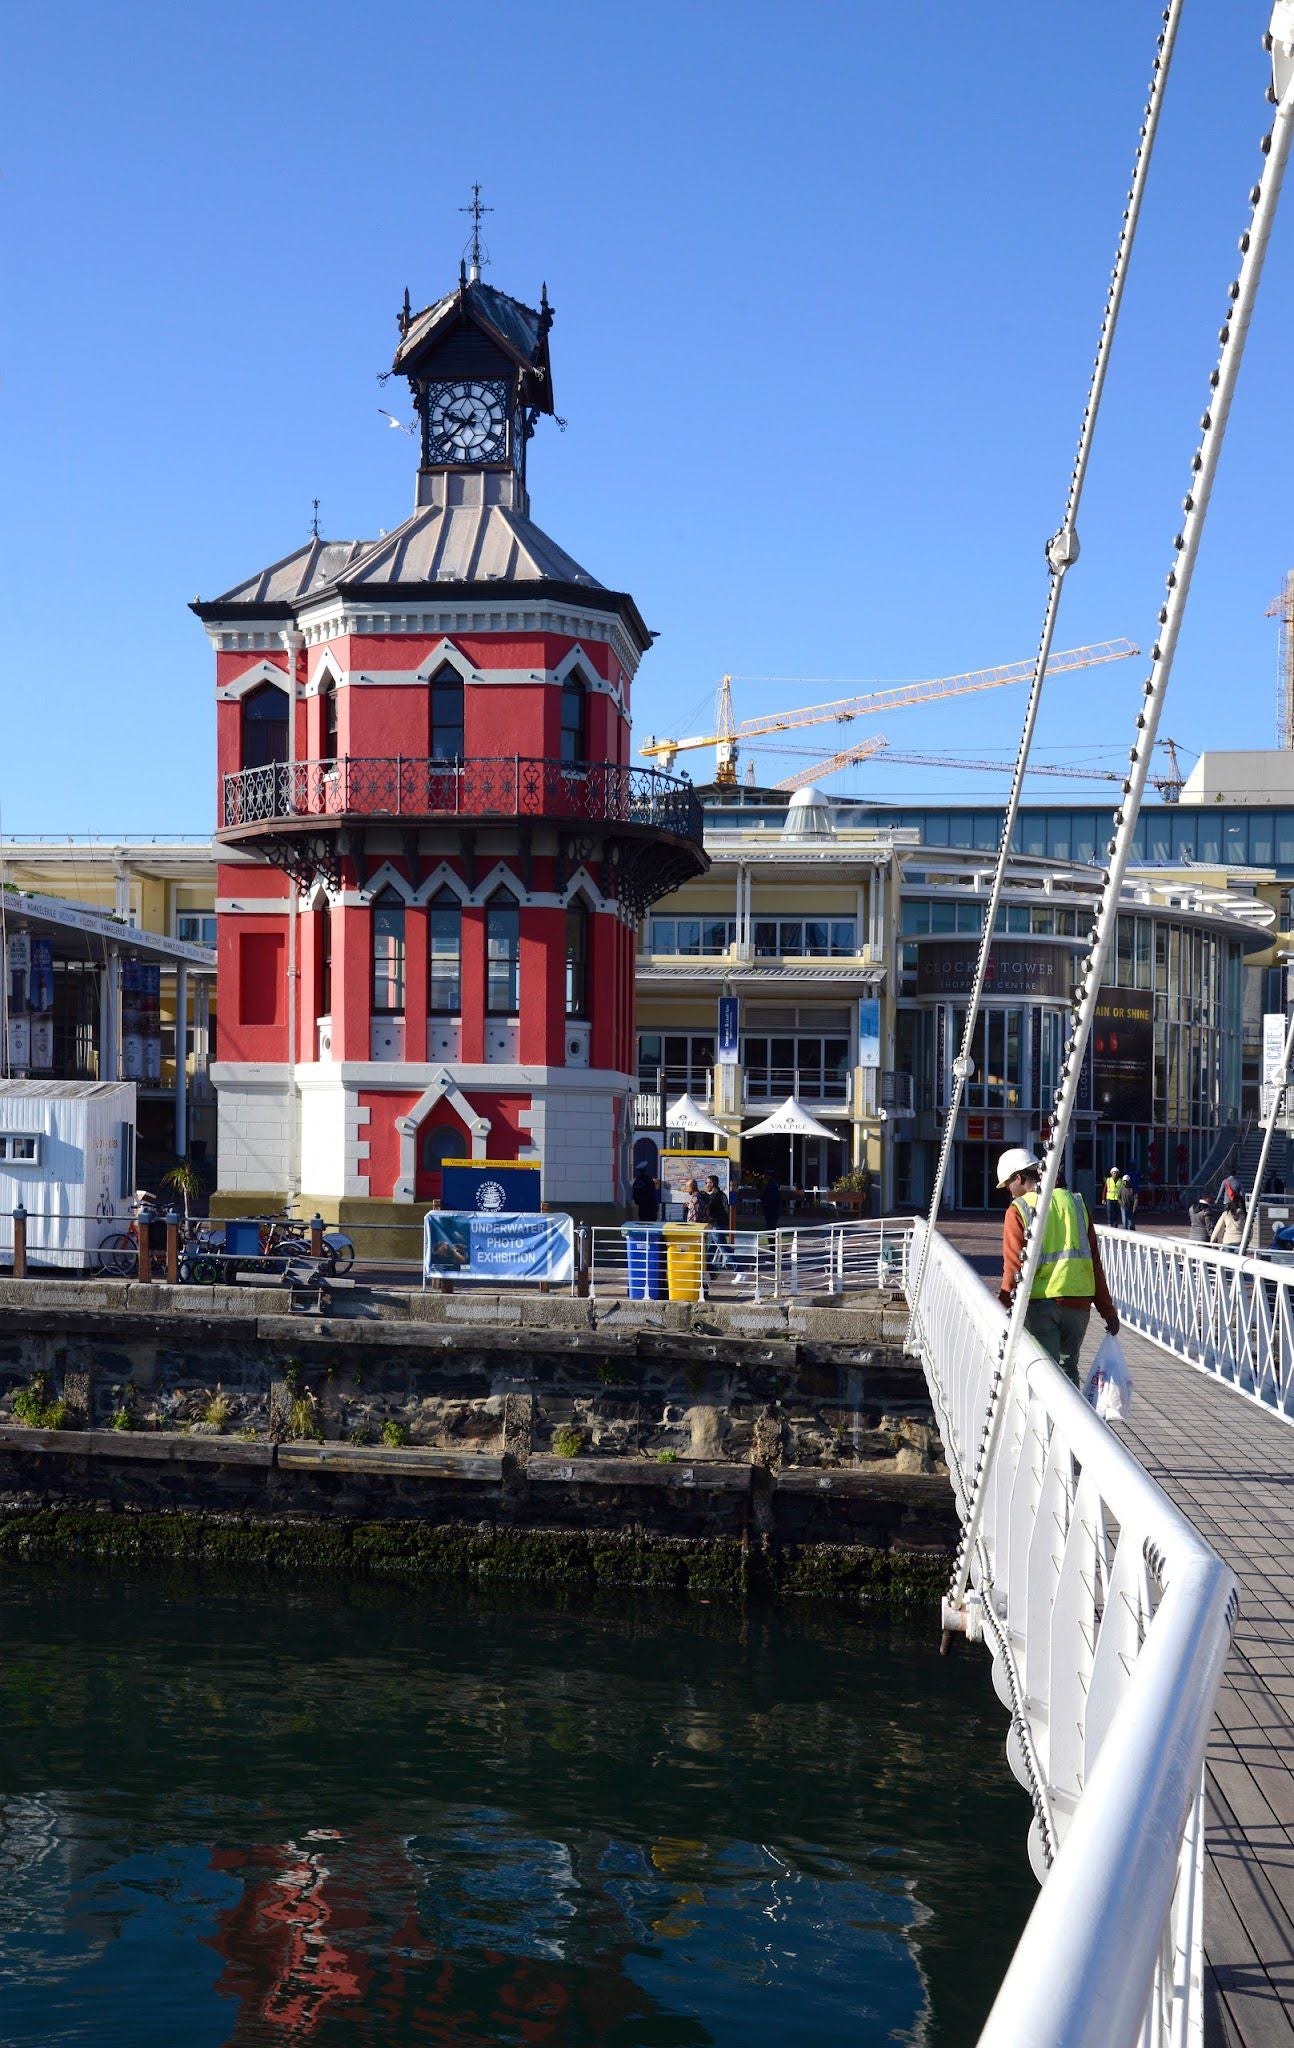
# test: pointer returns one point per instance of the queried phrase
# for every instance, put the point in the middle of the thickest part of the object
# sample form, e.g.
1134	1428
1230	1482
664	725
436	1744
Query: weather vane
314	523
480	255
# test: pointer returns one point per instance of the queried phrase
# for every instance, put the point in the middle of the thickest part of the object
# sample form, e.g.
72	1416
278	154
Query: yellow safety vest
1112	1186
1065	1268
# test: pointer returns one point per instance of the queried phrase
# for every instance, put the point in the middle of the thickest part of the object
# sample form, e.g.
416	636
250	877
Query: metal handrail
506	786
1232	1317
1109	1619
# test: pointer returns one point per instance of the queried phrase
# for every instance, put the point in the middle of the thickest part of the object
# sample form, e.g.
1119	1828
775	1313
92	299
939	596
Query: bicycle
119	1250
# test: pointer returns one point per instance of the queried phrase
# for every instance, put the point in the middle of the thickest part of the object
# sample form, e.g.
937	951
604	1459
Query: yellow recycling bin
684	1260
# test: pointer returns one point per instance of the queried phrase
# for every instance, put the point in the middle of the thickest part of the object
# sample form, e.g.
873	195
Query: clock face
468	422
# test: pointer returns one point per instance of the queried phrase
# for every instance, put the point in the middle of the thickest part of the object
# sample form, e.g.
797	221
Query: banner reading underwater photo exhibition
498	1248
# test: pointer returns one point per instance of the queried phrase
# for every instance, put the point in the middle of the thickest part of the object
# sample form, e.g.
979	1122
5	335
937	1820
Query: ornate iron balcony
395	786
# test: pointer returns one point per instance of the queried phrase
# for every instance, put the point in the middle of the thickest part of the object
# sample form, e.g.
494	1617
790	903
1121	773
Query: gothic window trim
388	877
252	678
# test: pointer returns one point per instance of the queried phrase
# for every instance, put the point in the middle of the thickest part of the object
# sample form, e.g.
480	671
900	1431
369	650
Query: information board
498	1249
492	1187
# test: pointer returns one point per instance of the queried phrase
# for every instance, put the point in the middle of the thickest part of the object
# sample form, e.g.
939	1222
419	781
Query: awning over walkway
791	1120
687	1115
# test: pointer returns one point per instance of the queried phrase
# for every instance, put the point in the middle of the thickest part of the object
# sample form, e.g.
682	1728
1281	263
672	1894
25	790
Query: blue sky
827	280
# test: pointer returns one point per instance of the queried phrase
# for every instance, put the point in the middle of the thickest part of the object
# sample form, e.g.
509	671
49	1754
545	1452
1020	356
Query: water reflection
341	1818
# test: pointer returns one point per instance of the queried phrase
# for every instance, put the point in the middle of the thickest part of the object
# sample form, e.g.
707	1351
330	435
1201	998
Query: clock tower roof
519	332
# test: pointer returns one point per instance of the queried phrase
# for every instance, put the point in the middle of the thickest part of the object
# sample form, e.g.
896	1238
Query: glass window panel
663	935
388	958
502	957
1144	950
792	937
1284	830
1261	839
943	916
577	960
844	935
817	938
573	709
714	935
1209	835
766	939
689	934
1058	835
1090	831
444	937
1042	921
447	716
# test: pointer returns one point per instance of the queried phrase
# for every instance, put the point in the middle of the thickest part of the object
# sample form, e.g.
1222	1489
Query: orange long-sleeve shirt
1013	1256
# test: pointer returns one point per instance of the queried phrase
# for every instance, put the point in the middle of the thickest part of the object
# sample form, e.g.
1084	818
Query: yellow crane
727	740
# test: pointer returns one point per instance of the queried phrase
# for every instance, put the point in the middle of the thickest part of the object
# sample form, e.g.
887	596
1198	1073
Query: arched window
328	721
388	954
574	706
577	960
324	928
502	955
446	715
445	937
265	726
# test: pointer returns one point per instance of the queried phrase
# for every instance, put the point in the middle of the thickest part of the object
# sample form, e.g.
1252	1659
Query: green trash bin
684	1260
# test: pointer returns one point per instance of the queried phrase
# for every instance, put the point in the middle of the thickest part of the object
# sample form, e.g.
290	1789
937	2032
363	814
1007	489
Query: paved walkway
1230	1468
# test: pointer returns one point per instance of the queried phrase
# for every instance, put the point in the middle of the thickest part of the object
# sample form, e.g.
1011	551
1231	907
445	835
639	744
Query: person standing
1230	1226
1070	1280
695	1206
770	1201
716	1216
1113	1211
1128	1201
646	1194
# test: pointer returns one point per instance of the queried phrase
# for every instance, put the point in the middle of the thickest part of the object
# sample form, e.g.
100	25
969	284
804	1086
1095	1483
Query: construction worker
1113	1191
1070	1279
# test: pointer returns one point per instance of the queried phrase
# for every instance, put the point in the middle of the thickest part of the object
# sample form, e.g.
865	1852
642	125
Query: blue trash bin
645	1257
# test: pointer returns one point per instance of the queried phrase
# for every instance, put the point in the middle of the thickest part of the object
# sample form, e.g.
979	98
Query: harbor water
237	1813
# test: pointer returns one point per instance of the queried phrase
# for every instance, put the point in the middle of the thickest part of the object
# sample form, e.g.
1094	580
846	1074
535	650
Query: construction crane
1169	784
727	740
1282	608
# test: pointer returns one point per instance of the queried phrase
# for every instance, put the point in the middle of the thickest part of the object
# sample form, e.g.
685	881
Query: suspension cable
1062	553
1241	295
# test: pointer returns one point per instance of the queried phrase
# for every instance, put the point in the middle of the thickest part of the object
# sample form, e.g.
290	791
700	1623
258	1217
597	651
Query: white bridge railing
1108	1619
689	1262
1231	1317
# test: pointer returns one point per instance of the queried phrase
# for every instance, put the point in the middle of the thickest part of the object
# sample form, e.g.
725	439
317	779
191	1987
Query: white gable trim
443	1088
387	877
329	669
443	877
499	877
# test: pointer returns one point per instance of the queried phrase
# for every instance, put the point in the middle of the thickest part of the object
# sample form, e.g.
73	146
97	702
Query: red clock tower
437	847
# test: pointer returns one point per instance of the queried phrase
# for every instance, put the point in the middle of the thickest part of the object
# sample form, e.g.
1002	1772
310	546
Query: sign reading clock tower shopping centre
435	849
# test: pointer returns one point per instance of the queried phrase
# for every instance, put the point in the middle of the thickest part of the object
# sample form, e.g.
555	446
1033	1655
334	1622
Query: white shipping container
67	1153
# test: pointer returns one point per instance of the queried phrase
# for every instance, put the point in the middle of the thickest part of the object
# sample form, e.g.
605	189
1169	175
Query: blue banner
41	984
869	1031
492	1187
498	1248
729	1029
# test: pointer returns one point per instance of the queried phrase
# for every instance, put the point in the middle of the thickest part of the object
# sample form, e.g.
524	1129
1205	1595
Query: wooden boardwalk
1230	1468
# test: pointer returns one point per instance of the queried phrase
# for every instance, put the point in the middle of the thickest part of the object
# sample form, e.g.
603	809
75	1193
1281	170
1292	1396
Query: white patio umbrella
793	1119
687	1115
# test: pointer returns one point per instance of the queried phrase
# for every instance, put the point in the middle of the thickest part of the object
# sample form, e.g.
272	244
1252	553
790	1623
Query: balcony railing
512	786
807	1084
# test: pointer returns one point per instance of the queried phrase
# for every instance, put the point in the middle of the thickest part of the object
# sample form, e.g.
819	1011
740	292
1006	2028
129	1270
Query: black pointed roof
521	332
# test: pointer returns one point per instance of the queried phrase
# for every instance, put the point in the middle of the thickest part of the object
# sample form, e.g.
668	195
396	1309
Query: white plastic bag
1109	1384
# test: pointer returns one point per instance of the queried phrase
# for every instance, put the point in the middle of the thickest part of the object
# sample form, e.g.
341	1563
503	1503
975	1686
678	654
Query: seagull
393	421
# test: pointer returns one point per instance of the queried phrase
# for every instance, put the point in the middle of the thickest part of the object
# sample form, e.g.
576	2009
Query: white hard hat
1017	1160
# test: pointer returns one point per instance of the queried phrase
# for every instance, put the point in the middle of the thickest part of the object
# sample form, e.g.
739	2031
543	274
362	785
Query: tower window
502	956
577	960
445	934
265	726
574	705
325	961
328	722
388	954
447	715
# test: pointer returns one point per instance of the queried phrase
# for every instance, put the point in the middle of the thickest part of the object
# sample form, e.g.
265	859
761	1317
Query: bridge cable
1062	552
1241	296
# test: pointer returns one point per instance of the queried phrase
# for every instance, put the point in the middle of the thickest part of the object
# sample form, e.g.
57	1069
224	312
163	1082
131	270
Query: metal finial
405	316
314	523
479	254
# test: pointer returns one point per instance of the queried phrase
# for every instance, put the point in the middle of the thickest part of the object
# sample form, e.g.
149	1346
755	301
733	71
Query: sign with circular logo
491	1198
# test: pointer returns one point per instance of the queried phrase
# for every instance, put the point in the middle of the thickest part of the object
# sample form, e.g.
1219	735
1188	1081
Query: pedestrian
1070	1280
770	1201
1278	1185
695	1206
1201	1218
1229	1228
646	1194
1128	1201
1113	1208
716	1215
1228	1191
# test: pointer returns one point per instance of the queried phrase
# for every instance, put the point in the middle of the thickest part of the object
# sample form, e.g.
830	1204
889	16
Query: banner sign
492	1187
869	1031
1123	1062
498	1248
19	970
1275	1026
41	984
729	1030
